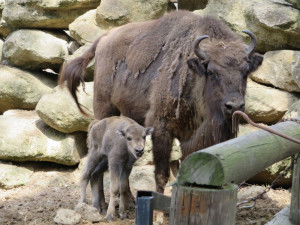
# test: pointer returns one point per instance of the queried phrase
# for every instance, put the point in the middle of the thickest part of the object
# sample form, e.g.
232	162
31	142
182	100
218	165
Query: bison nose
232	106
139	151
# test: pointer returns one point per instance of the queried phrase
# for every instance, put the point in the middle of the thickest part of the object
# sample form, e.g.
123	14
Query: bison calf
114	143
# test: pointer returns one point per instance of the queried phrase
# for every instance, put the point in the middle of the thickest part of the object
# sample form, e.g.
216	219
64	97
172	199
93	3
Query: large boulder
20	89
1	46
28	138
85	29
58	109
34	49
147	158
2	3
12	176
295	3
279	69
294	111
45	13
275	25
4	29
265	104
112	13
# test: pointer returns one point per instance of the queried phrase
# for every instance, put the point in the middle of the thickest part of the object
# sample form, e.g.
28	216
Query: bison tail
73	73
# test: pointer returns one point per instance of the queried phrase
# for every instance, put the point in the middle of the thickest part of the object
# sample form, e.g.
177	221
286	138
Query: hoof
109	217
123	216
103	211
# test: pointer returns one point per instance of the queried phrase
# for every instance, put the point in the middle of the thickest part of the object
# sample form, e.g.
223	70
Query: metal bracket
146	202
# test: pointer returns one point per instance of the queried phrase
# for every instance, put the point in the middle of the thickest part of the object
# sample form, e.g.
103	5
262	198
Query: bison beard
169	75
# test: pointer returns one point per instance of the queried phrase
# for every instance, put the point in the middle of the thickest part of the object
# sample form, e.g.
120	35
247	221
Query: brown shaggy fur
149	72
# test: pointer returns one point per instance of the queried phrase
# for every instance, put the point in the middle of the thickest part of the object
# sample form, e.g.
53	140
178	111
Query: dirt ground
49	189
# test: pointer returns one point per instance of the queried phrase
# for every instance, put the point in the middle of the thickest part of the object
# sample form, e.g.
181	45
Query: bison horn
197	50
253	43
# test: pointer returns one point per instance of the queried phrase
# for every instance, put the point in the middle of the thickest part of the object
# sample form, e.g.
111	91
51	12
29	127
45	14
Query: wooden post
295	197
239	159
203	206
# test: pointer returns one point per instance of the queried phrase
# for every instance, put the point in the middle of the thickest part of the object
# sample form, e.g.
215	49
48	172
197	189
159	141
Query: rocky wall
36	37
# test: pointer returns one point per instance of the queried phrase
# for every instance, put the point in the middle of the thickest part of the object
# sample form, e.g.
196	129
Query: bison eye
210	74
129	138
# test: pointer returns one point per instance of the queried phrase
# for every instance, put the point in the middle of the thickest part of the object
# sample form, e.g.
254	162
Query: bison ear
149	130
255	61
196	66
121	133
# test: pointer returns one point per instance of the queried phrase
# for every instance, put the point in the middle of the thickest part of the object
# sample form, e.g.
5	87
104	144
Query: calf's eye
129	139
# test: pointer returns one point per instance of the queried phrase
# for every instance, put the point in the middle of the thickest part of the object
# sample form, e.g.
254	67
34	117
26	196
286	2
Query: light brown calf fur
114	143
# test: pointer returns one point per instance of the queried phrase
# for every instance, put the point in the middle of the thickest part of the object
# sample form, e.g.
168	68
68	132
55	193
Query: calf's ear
120	132
196	66
149	130
255	61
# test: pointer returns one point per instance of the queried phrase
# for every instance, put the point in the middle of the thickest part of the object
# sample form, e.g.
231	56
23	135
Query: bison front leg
162	147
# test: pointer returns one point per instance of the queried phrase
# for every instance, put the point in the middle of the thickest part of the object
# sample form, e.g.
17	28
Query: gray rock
59	111
266	104
249	192
88	212
277	69
246	129
20	89
276	26
5	29
27	138
294	111
1	46
12	176
2	3
147	158
67	217
142	178
34	49
85	29
46	13
295	3
73	46
112	13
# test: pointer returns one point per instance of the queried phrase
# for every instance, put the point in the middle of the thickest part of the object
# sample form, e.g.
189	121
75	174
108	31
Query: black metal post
146	202
144	210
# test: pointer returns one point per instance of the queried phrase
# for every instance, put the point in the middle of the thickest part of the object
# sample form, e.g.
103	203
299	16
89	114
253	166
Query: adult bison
182	74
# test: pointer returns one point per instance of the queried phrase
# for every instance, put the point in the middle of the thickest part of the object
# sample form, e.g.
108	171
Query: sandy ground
52	188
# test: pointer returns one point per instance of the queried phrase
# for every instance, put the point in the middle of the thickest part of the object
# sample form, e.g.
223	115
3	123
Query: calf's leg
114	190
125	198
98	197
94	158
